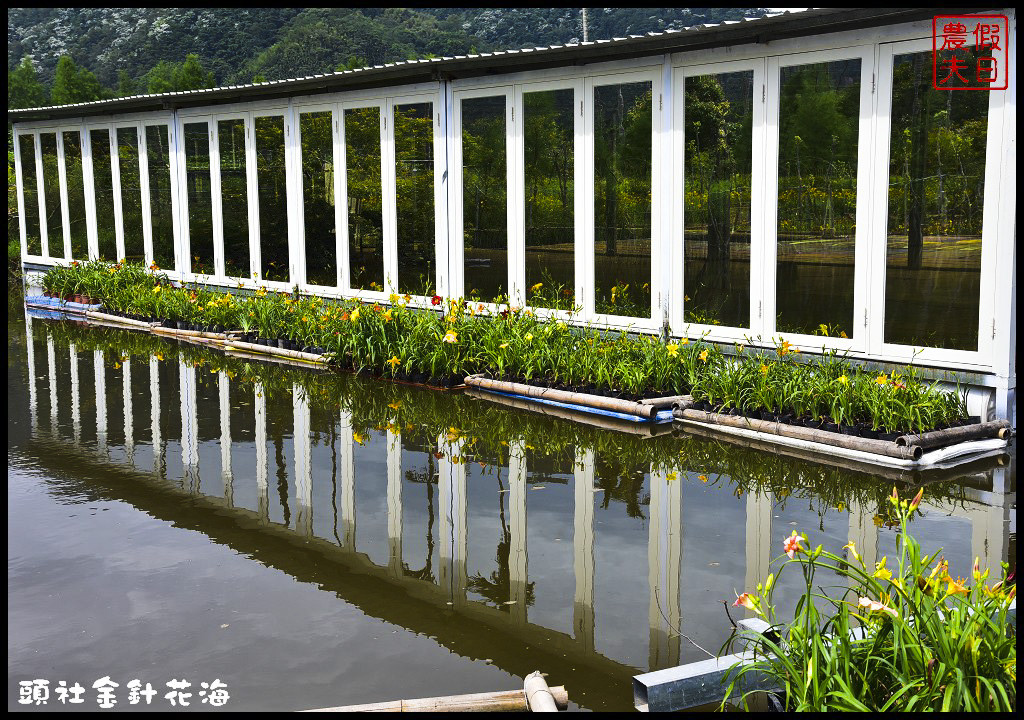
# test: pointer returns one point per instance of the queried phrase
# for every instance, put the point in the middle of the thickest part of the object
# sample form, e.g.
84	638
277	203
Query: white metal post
41	196
115	184
65	213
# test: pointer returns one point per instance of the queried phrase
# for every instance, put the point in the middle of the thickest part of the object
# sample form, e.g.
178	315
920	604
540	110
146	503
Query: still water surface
313	539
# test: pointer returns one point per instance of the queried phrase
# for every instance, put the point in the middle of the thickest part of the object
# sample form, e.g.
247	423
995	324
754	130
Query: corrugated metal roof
730	32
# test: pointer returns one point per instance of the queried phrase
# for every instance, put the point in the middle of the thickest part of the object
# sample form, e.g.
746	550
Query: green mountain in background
122	46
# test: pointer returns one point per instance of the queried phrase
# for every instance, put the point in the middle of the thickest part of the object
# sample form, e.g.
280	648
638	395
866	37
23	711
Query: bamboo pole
267	350
170	332
504	701
538	695
877	447
261	357
670	401
629	407
116	319
640	429
951	436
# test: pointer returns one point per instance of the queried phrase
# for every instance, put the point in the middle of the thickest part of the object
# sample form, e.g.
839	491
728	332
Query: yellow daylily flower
881	571
450	337
394	361
673	349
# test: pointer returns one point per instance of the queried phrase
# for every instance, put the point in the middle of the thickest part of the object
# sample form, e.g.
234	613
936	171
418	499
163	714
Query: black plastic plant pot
867	432
889	436
850	430
829	427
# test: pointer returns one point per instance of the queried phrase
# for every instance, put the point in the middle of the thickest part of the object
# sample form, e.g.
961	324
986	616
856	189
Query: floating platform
52	303
652	411
939	449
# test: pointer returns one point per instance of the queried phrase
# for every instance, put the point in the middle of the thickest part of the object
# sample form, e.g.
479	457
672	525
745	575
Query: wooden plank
502	701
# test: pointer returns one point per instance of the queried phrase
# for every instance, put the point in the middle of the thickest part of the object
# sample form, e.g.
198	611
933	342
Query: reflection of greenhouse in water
517	537
793	177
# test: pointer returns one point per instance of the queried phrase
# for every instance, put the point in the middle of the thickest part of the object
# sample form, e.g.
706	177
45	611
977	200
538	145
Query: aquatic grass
926	641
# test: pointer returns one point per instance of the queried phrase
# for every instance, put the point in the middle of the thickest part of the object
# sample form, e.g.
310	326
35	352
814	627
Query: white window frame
457	256
255	231
185	238
857	342
440	221
995	160
342	200
576	85
140	145
660	169
300	206
757	202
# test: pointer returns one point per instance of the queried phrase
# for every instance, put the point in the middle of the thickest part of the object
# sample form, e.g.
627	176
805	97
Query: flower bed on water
441	348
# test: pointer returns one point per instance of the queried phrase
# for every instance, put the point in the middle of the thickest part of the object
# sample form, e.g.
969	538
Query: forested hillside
131	50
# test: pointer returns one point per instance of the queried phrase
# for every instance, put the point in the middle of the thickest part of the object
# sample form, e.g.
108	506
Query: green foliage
510	342
126	84
281	42
178	77
23	87
73	84
925	641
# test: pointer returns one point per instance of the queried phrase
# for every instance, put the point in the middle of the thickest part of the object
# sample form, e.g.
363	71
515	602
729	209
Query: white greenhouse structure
795	178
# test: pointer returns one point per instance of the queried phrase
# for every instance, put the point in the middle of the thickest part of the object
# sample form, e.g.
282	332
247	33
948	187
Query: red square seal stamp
970	52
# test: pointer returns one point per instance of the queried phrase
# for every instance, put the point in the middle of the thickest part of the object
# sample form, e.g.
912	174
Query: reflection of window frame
996	155
661	169
857	342
757	235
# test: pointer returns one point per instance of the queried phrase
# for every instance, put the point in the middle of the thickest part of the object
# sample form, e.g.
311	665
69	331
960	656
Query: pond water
313	539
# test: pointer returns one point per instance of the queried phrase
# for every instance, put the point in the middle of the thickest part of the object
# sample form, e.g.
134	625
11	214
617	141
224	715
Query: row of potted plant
512	343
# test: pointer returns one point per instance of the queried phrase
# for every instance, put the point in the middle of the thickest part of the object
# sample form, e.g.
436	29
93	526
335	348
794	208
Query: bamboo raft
654	410
939	448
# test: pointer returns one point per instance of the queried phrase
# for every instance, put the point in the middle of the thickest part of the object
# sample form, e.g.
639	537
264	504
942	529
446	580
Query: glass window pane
548	135
484	197
365	221
51	195
103	187
716	198
234	197
819	106
200	205
131	193
936	198
158	155
30	190
316	132
76	195
273	197
414	186
622	199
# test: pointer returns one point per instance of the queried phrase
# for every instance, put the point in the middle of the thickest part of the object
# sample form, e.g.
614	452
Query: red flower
436	300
